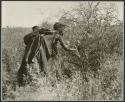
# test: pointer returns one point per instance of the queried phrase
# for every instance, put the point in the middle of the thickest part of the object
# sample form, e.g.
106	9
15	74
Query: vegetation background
94	29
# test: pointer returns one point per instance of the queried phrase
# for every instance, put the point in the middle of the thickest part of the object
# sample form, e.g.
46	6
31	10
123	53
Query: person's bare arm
64	46
45	32
73	50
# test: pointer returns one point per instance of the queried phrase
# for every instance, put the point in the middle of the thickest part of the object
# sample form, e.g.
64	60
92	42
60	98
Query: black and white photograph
62	50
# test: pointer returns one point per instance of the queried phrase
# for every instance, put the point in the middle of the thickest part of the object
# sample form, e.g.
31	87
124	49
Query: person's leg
51	71
23	70
22	75
58	68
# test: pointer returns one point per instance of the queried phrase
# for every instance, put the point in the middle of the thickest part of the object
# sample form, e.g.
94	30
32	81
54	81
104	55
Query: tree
90	23
90	17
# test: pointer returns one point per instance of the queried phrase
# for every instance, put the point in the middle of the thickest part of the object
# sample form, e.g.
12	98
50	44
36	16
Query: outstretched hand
75	51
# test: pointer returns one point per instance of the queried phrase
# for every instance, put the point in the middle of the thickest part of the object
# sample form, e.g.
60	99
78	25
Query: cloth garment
36	47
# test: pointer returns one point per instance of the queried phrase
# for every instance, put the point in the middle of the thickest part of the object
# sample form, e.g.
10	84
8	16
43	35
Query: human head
59	26
35	28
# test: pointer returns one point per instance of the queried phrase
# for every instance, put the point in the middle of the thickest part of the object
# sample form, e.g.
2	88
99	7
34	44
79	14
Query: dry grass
106	87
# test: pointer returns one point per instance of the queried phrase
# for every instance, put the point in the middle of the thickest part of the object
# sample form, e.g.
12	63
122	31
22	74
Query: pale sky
30	13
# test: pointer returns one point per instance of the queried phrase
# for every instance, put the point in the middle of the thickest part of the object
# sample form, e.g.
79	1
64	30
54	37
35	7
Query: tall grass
101	63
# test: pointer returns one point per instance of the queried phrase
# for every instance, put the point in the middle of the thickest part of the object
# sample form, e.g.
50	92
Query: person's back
29	37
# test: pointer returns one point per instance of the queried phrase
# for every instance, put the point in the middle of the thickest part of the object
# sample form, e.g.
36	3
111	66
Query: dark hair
58	25
35	27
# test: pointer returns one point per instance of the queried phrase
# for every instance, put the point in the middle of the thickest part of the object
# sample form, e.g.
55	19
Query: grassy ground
108	86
